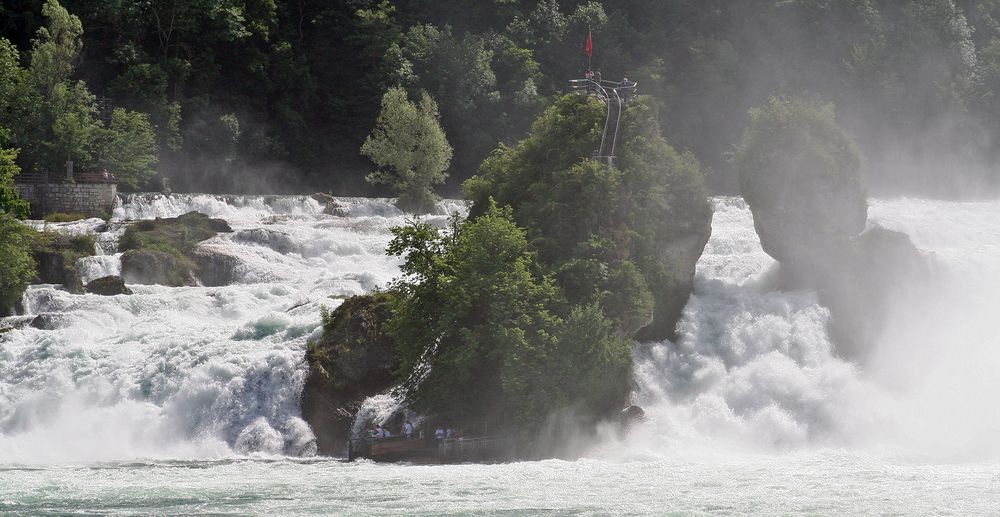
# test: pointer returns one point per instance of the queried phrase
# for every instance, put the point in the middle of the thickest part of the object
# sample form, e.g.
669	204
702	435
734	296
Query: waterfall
190	372
754	367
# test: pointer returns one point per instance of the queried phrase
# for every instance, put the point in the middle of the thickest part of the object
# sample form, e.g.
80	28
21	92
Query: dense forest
279	95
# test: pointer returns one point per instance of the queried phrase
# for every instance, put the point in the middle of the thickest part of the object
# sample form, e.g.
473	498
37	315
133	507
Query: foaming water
754	368
750	412
940	354
189	372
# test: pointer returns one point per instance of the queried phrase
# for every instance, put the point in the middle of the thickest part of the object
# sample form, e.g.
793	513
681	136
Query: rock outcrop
679	257
56	255
155	267
108	286
799	172
330	204
355	359
215	268
165	251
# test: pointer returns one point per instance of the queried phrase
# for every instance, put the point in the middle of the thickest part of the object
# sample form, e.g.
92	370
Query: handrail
84	177
603	90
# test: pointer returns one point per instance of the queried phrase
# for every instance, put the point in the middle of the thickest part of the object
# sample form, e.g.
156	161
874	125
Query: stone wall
90	199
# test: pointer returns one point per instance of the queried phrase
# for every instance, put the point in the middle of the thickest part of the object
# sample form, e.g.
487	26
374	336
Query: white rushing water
185	400
190	372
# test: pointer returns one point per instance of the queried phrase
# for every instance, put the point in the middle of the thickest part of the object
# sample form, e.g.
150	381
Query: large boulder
165	251
108	286
215	267
799	172
355	359
155	267
873	271
51	321
330	204
799	175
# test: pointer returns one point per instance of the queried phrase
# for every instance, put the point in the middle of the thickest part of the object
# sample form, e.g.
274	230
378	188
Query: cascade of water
190	371
754	366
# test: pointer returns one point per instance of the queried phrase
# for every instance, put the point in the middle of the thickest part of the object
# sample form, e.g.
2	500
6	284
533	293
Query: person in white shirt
408	430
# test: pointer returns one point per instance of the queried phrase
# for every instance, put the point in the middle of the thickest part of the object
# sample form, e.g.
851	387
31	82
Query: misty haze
499	257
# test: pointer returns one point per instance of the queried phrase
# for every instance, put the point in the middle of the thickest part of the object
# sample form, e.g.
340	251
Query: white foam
190	372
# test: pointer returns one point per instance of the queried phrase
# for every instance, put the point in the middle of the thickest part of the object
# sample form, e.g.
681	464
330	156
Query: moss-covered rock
799	174
56	254
354	359
164	251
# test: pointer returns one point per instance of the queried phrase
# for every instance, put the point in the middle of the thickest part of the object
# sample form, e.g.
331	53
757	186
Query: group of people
593	75
625	87
441	433
380	432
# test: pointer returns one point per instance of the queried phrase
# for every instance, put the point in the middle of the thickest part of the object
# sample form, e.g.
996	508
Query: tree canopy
410	148
483	331
915	81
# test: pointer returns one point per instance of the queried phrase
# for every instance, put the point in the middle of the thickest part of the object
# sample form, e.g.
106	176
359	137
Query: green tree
56	47
10	202
128	147
603	229
481	331
410	148
17	268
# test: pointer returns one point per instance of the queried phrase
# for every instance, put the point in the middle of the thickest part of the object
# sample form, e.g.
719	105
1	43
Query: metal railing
614	95
83	177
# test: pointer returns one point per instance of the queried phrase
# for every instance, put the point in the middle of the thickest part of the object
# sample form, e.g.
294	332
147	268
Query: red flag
588	46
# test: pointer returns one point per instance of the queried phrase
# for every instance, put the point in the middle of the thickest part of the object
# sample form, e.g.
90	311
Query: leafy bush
17	268
603	230
482	330
10	201
60	217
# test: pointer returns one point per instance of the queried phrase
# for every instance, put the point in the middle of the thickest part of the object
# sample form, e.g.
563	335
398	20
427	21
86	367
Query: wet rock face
679	257
55	267
153	267
354	360
165	251
801	217
108	286
877	268
215	268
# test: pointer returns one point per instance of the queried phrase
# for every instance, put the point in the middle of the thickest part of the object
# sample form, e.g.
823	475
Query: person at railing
439	435
408	430
376	432
450	433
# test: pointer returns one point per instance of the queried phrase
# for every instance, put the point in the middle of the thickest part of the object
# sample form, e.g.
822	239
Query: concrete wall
90	199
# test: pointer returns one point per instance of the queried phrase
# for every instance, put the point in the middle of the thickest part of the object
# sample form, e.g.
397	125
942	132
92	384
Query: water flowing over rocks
815	227
197	370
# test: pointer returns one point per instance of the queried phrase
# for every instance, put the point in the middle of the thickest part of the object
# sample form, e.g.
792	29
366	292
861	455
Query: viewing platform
614	95
432	450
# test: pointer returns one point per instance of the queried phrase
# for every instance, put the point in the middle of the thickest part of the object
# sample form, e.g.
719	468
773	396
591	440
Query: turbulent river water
186	400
